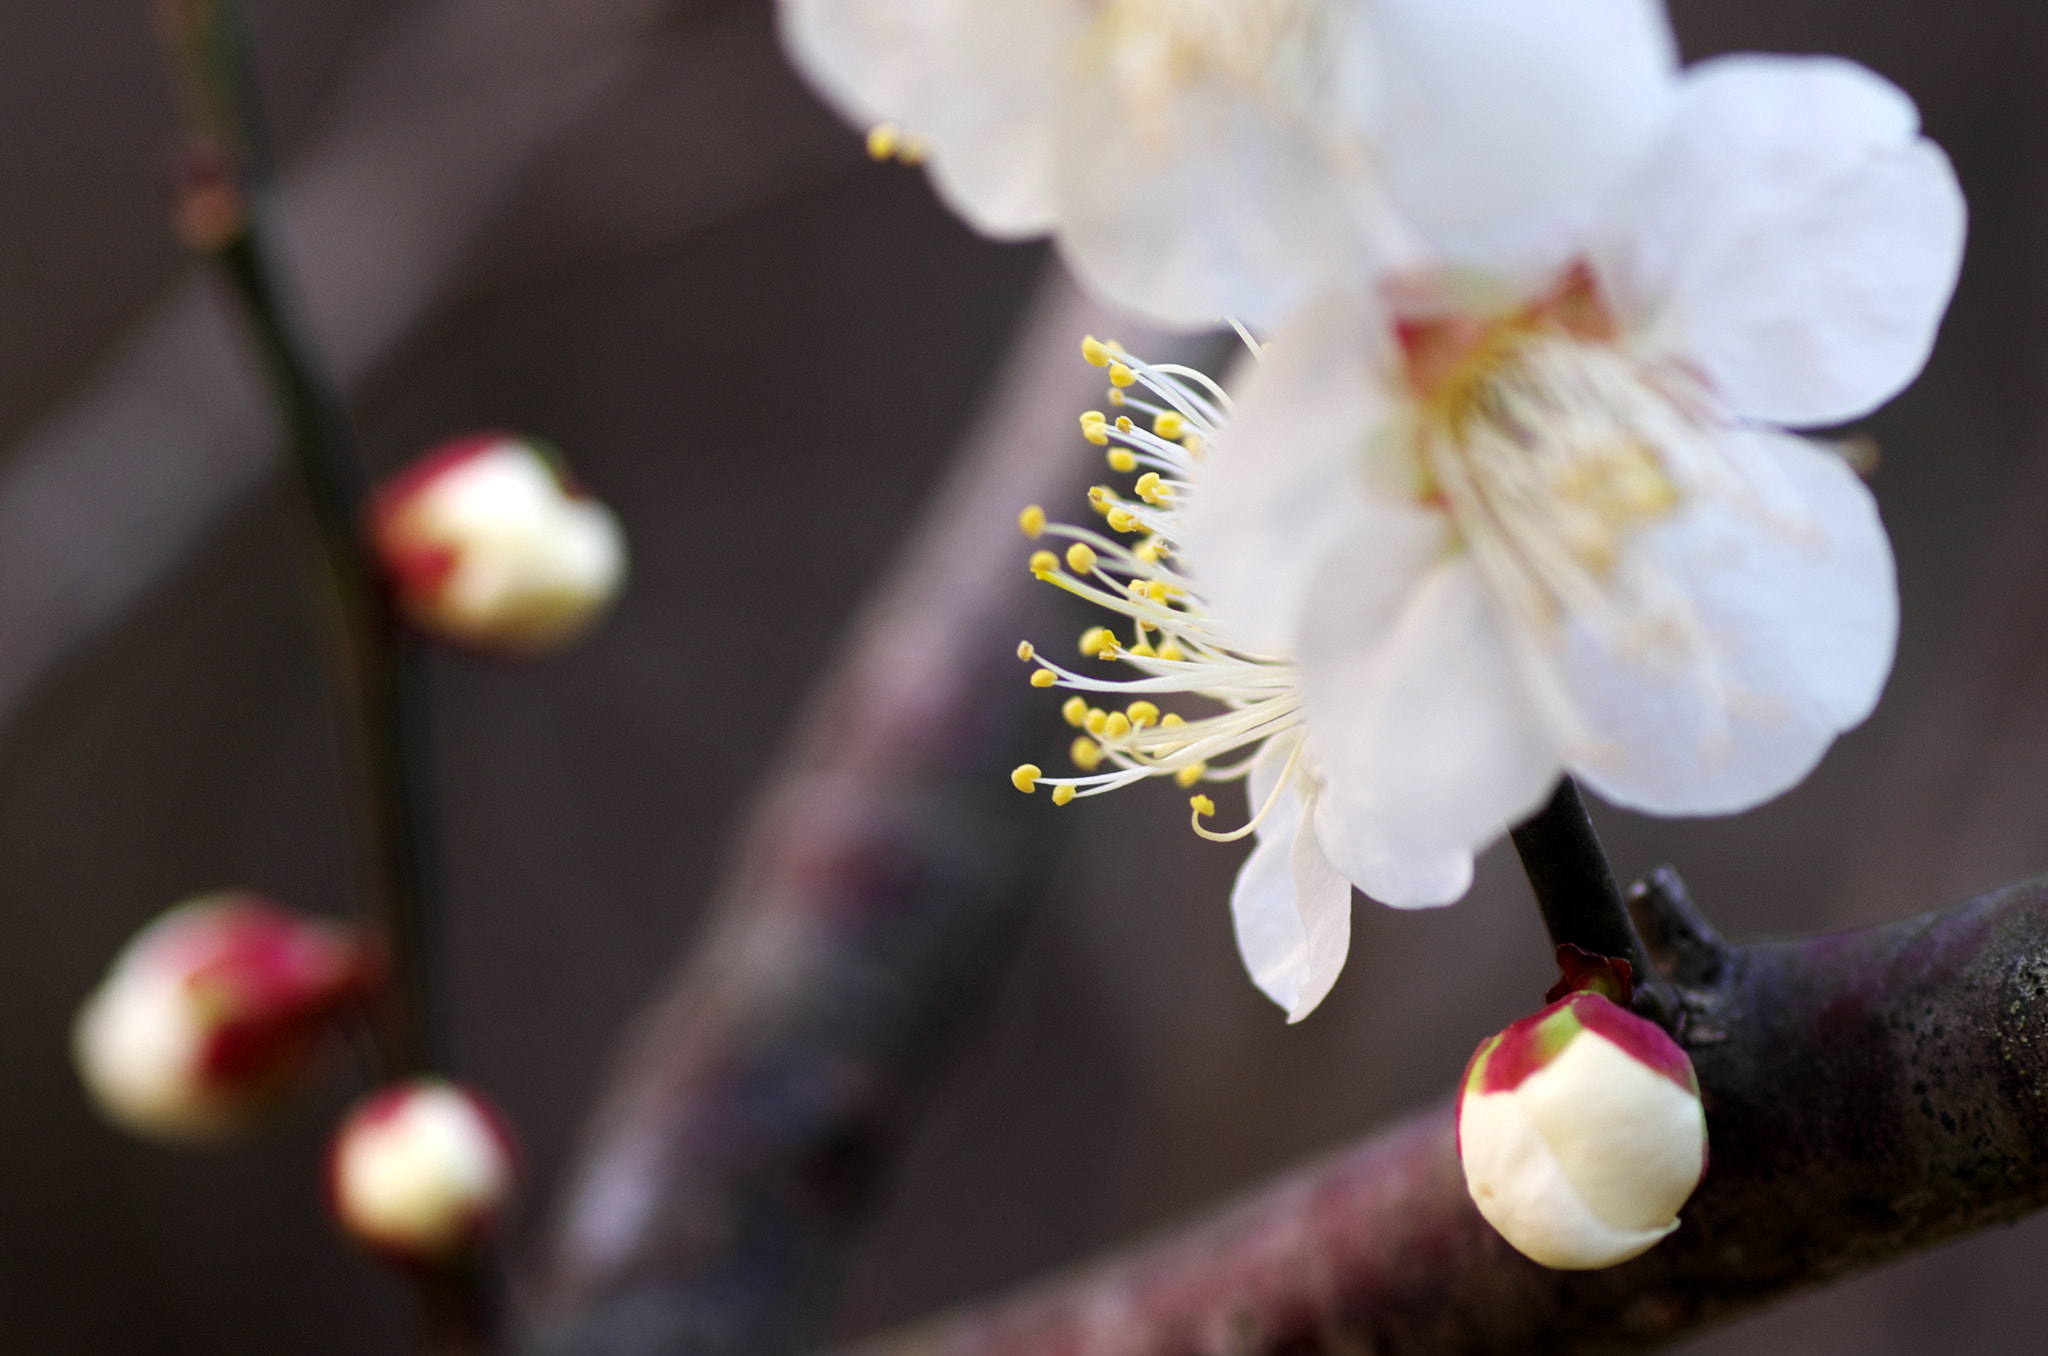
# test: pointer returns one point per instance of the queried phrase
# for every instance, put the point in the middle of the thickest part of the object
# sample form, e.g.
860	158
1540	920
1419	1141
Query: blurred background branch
876	899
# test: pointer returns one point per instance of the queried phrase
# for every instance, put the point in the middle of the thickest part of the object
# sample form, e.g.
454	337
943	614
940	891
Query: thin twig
227	212
1576	892
234	223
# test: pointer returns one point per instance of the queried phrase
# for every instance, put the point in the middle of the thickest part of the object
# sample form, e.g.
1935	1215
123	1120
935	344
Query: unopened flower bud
1582	1133
213	1014
490	545
421	1171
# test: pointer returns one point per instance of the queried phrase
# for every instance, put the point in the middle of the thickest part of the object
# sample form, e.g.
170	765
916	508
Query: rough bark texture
1868	1093
882	874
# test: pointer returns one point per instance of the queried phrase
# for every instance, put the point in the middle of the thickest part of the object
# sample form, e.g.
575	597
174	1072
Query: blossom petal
1290	482
1505	126
1430	745
1323	899
1270	934
1793	590
1794	235
1209	200
976	82
1521	1189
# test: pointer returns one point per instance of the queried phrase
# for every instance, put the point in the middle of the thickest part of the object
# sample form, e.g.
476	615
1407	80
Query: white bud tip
489	546
421	1171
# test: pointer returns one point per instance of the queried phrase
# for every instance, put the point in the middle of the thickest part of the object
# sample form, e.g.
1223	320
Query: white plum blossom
1581	1133
1527	506
1202	158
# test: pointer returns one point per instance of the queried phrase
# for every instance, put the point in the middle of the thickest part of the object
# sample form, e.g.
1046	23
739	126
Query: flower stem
1577	894
226	211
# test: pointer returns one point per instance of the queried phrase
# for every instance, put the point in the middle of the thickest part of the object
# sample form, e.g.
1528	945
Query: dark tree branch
881	882
1868	1093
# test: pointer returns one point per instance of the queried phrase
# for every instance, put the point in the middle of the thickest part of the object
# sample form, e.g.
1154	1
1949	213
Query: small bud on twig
214	1014
488	544
1581	1133
421	1171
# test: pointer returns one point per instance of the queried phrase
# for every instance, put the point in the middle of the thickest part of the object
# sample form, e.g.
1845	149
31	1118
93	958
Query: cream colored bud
1581	1133
489	545
213	1014
421	1171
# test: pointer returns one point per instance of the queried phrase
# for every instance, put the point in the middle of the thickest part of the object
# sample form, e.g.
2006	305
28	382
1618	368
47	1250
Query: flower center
1548	444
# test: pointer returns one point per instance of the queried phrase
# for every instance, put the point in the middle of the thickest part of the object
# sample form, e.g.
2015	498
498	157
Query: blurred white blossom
1203	158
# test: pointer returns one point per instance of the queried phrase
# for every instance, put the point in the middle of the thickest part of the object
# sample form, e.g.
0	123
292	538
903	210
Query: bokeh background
762	349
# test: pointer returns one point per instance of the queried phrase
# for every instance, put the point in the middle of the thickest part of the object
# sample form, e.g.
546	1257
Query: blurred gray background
760	347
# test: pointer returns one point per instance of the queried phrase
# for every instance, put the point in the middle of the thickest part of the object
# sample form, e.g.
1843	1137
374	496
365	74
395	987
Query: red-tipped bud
1582	1133
488	544
421	1171
214	1014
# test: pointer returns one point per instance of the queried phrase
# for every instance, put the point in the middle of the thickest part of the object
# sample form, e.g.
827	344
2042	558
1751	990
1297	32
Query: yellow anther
1025	778
1095	351
1170	721
1148	553
1203	806
1062	794
1123	459
1194	444
1173	652
1081	558
1098	640
1086	753
1116	397
1044	562
1169	425
1124	424
1149	489
1116	726
1144	650
911	152
1121	375
1031	522
1113	346
1025	650
1096	719
1147	624
1190	774
1122	521
884	140
1095	431
1142	714
1044	678
1076	710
